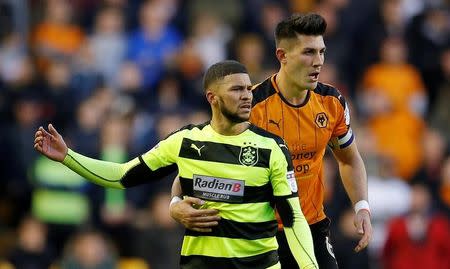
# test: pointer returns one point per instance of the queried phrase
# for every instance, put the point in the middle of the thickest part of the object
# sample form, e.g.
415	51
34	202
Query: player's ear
281	55
211	97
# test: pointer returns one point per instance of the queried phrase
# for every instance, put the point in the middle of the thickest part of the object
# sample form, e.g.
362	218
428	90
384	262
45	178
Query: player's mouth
247	106
314	76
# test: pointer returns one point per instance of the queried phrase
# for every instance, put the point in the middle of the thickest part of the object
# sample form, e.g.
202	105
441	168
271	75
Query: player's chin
244	117
310	84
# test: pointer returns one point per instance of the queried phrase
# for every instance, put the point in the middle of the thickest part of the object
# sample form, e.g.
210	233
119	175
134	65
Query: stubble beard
231	116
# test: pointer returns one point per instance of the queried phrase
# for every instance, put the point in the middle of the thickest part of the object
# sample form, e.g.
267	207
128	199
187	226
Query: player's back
307	129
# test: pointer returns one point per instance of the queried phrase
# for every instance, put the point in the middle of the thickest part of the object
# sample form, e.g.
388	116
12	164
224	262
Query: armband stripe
345	140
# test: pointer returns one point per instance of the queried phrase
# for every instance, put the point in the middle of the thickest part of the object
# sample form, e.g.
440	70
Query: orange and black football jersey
307	129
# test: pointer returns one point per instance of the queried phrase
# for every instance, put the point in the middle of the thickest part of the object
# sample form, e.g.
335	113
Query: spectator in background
169	97
89	250
387	21
85	77
158	237
384	184
27	114
32	250
15	16
15	64
395	106
444	187
210	37
271	13
108	44
17	73
61	98
250	51
115	209
419	239
434	148
428	35
60	199
440	113
56	37
154	45
84	131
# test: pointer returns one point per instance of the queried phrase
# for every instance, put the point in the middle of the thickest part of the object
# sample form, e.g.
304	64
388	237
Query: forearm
297	232
107	174
354	178
176	188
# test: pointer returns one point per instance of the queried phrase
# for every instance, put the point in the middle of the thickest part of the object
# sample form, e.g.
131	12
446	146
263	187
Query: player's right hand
50	144
199	220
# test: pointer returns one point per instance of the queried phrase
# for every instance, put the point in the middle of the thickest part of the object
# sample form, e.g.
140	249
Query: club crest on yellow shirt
248	155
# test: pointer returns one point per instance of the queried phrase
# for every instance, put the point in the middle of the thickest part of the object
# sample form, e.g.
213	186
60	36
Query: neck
291	91
224	126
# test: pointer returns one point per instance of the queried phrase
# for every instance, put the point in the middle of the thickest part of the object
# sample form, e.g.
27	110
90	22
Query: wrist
362	205
175	200
66	156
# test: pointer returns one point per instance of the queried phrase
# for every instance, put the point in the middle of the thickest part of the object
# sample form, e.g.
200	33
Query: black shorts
322	247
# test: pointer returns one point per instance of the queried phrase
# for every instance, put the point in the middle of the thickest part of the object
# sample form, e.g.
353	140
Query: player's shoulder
263	90
264	133
189	128
327	90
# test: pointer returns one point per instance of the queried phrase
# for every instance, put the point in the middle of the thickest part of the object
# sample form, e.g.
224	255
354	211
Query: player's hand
363	228
50	144
199	220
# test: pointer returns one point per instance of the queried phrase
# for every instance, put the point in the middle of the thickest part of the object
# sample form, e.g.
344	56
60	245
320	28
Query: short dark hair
303	24
220	70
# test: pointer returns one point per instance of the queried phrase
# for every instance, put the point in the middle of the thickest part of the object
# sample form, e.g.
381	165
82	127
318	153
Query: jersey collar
275	87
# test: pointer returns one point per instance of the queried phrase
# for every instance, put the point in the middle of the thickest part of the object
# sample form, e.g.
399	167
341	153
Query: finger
359	227
44	132
38	139
205	224
194	200
205	219
202	230
38	147
362	244
52	130
205	212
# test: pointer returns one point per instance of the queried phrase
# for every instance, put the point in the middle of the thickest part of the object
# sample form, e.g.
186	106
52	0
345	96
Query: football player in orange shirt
310	116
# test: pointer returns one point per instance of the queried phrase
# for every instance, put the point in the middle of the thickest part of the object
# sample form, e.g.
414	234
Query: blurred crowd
116	76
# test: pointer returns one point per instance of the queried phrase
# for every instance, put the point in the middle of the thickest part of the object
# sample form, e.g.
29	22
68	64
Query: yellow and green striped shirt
243	176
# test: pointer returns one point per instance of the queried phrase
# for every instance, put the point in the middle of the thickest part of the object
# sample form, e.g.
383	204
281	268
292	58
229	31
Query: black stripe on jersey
279	141
328	90
262	91
285	210
252	194
142	174
260	261
218	152
241	230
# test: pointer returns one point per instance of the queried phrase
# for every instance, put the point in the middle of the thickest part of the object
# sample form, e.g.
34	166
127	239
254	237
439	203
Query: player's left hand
363	228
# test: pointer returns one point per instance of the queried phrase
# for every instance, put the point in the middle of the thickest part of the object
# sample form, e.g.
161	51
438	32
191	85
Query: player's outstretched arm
354	178
50	143
185	212
108	174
